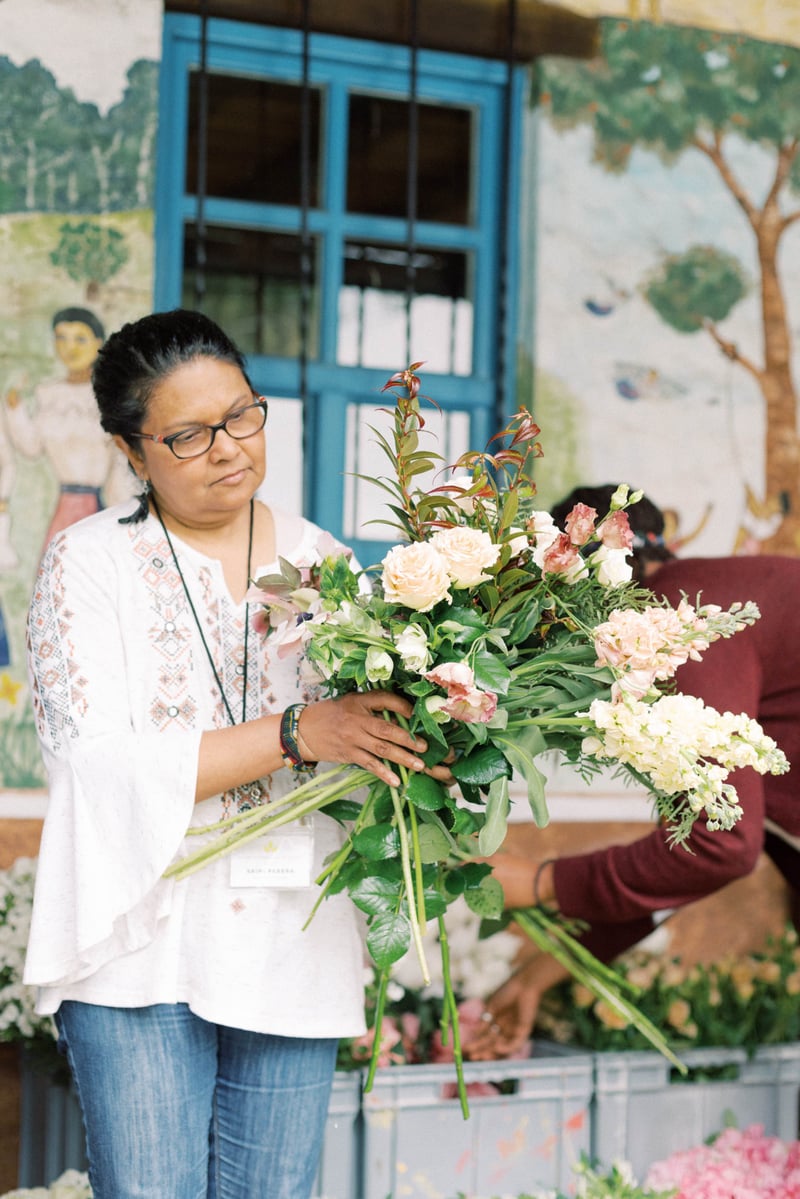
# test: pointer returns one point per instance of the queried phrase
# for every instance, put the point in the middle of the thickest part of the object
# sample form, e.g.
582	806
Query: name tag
280	859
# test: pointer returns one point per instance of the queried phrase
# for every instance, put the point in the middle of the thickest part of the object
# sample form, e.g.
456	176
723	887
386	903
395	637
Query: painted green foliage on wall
674	91
59	154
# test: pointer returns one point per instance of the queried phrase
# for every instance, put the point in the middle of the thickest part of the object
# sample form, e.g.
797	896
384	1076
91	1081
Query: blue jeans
177	1108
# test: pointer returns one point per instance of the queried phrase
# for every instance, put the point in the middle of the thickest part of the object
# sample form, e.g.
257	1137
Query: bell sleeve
121	788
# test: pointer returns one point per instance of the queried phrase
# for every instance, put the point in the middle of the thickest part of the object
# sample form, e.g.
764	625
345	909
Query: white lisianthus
435	706
611	566
468	553
544	531
412	646
415	576
378	665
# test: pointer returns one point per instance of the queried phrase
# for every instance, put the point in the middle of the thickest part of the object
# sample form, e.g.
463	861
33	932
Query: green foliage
702	284
89	252
661	86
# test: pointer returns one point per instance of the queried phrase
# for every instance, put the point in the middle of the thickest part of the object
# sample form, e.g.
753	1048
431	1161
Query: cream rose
467	554
416	576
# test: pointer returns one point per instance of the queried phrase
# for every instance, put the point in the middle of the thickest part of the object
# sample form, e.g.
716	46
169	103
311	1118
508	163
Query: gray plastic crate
51	1136
340	1163
417	1143
642	1112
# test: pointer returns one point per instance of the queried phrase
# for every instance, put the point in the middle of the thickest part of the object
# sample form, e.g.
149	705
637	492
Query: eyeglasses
198	439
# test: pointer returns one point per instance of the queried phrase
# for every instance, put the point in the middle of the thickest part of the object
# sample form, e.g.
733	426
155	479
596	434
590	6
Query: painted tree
90	253
677	91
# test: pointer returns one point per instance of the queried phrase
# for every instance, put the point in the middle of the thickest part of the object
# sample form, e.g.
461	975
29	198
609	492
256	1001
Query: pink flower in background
464	701
615	532
580	524
740	1164
561	557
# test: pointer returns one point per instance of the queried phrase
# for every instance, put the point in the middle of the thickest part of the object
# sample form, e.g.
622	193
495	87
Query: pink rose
464	701
580	524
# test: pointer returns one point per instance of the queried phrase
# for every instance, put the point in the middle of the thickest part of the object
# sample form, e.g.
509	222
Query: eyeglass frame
168	439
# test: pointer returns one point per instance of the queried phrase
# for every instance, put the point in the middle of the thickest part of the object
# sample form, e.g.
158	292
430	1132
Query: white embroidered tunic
122	690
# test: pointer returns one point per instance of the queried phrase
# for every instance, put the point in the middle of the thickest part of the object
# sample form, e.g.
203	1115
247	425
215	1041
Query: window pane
377	169
445	433
372	309
252	282
253	138
283	482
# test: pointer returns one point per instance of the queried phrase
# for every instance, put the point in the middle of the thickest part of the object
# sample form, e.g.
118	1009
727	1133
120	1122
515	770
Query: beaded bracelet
290	750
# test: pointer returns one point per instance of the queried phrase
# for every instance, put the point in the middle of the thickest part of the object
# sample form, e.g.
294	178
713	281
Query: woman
200	1020
619	889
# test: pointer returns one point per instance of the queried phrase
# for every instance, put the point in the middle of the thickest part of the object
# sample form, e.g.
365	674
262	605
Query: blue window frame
358	333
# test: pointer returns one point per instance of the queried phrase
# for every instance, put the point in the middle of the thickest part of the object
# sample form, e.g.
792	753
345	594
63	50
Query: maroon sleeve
626	883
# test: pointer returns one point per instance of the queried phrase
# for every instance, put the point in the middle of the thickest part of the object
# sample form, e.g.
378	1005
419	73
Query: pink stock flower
615	532
464	701
580	524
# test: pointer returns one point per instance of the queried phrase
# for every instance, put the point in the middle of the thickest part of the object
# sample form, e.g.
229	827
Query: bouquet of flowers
510	637
742	1001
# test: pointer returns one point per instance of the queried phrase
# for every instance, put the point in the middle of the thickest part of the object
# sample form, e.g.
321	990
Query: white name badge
280	859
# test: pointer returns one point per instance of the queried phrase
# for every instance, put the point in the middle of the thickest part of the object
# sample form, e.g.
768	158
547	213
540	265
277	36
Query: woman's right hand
354	729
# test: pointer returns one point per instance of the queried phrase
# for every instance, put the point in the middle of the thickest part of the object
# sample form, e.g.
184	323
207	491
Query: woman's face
206	490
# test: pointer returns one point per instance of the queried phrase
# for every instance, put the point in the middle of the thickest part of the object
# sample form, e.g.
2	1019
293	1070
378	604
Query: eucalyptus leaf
487	900
493	833
521	748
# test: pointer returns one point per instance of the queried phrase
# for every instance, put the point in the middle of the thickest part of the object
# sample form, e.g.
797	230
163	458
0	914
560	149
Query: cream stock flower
415	576
467	554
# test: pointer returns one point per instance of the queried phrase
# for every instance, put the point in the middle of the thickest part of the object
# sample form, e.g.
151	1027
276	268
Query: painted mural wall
667	305
78	92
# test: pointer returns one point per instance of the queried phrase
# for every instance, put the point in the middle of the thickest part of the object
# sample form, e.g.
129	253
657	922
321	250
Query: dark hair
140	356
84	315
646	520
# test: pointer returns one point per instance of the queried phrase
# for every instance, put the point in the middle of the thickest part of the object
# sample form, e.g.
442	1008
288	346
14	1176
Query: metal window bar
412	172
202	161
504	167
305	244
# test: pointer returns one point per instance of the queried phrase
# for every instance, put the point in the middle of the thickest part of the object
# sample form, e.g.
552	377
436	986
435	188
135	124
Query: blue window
330	298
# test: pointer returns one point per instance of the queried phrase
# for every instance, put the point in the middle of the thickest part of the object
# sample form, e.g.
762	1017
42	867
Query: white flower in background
412	646
70	1185
476	967
544	531
611	566
18	1019
467	553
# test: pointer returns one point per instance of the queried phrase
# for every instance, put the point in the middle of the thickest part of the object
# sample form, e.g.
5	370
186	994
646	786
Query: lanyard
197	619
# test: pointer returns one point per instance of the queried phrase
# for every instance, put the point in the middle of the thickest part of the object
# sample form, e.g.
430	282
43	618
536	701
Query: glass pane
377	169
283	483
445	433
253	139
372	309
252	280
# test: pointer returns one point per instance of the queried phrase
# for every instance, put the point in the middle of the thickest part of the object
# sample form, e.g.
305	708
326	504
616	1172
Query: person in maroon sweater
618	890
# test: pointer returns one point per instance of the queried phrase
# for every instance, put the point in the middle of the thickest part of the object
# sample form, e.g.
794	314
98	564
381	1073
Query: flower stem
450	1015
414	915
380	1006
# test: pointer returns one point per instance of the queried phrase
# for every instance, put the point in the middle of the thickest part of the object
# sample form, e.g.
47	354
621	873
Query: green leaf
388	938
491	673
343	810
481	766
375	894
377	842
434	843
487	900
493	833
520	748
424	792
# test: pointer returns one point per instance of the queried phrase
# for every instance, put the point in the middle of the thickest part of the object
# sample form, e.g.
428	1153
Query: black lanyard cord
197	619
